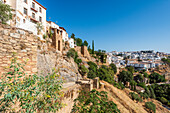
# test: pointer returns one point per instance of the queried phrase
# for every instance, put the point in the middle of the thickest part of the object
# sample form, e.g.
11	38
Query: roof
40	4
62	28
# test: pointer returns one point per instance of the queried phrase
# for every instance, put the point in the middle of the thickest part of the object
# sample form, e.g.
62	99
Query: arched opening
59	45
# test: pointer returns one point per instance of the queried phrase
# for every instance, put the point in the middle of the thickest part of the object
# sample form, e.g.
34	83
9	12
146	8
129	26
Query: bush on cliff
83	70
151	106
94	102
21	93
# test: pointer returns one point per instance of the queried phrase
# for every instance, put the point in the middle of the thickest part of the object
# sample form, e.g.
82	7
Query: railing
34	8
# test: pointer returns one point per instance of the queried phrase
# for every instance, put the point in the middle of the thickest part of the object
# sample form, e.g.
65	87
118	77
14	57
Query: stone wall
70	94
83	51
21	42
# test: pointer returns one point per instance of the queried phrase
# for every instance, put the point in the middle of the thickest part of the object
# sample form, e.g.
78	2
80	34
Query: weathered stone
21	32
13	41
17	47
34	70
5	32
4	50
24	51
15	35
6	26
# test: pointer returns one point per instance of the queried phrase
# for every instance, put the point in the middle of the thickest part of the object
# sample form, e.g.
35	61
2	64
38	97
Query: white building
64	34
71	42
27	14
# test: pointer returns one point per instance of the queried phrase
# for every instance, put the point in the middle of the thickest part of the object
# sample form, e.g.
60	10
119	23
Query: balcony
34	9
34	20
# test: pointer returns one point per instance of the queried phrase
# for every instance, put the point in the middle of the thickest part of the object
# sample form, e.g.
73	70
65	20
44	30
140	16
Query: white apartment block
27	13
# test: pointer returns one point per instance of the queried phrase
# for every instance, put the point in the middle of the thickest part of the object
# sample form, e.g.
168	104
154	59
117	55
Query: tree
39	27
105	73
145	75
73	36
147	91
133	85
89	49
125	76
93	47
79	42
139	78
85	43
114	68
156	78
131	69
152	92
92	70
5	13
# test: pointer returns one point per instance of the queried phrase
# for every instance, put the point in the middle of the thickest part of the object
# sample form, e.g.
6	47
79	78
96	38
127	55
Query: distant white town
138	59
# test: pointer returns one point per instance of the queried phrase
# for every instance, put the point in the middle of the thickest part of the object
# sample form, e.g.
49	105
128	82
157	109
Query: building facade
26	15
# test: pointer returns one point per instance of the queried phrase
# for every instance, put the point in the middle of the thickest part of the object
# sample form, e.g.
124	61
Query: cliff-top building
26	15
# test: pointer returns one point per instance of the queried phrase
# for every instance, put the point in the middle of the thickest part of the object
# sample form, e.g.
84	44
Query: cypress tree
93	47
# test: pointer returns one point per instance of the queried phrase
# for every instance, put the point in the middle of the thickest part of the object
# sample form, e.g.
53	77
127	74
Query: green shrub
135	96
34	93
94	102
83	70
72	53
151	106
133	85
78	61
152	92
141	84
164	100
92	70
121	85
147	91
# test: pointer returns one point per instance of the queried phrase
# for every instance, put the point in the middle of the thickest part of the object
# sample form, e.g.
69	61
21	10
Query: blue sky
121	25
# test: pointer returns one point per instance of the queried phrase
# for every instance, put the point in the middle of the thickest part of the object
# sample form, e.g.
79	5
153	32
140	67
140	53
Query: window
40	10
33	15
25	1
40	19
25	11
33	5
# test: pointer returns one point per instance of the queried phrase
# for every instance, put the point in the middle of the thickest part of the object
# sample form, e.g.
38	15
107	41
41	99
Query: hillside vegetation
125	104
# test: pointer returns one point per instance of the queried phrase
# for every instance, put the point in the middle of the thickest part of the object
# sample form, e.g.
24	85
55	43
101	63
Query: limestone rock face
67	68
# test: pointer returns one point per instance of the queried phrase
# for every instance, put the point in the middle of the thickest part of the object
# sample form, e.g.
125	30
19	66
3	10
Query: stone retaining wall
21	42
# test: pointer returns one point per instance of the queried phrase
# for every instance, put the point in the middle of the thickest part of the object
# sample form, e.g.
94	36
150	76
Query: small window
40	10
25	11
25	1
33	5
23	20
33	15
40	19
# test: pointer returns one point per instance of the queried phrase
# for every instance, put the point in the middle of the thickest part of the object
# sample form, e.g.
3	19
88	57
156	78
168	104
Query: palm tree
39	27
